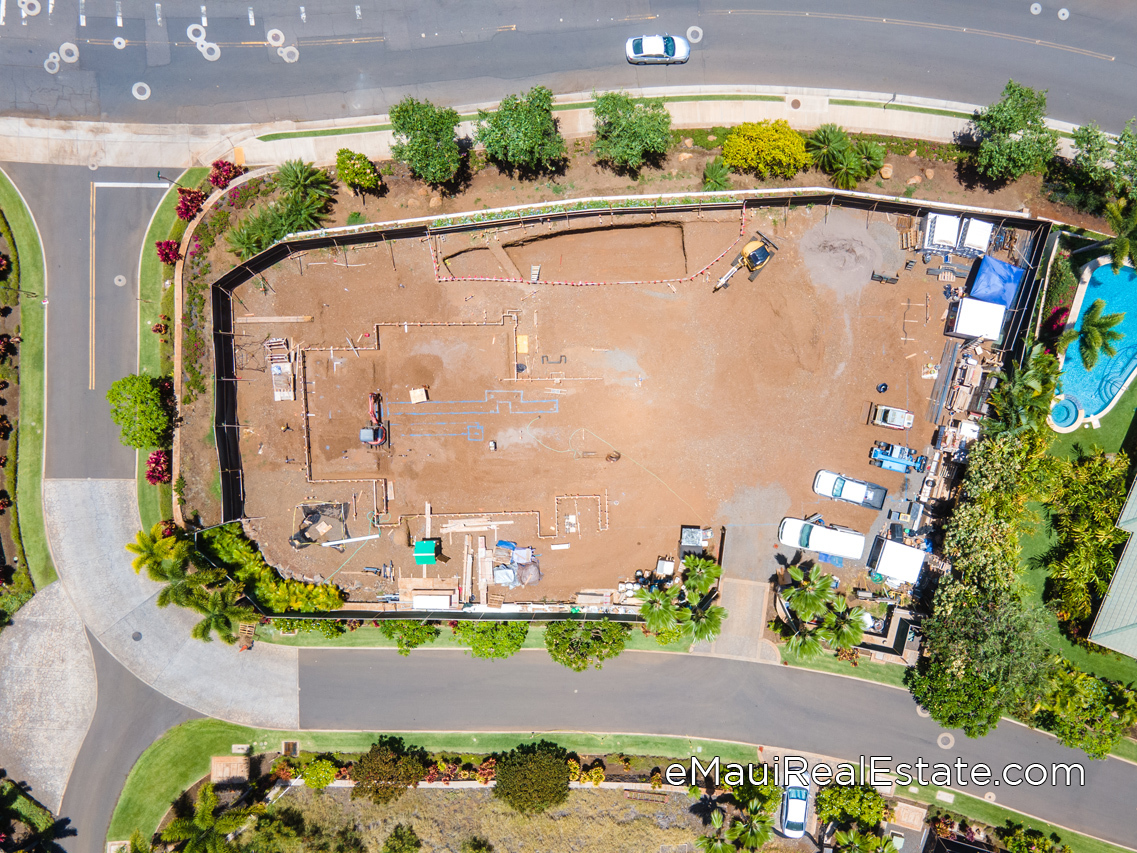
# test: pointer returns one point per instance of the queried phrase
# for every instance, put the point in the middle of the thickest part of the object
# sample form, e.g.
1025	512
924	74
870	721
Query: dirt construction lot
597	417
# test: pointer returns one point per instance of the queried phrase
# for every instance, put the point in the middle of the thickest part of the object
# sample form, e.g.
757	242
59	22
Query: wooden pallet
246	631
910	239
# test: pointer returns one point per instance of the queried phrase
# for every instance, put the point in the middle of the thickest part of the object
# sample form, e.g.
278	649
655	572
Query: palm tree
221	614
805	644
299	212
1122	217
713	844
295	177
706	623
657	607
138	844
883	844
153	551
752	831
810	597
843	627
206	831
871	155
853	841
1021	400
699	575
1096	335
825	145
244	239
184	587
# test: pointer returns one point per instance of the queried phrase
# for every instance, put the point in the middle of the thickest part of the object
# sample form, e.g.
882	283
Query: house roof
1116	624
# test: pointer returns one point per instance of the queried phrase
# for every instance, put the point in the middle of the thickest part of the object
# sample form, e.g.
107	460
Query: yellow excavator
754	255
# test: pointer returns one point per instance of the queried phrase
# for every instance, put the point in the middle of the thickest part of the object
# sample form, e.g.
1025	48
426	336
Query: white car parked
840	488
838	541
657	50
795	808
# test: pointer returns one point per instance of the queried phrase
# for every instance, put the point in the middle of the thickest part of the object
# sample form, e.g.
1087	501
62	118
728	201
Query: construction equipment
754	256
375	434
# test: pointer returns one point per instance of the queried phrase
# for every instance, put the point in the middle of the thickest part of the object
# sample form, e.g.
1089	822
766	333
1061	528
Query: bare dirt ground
721	407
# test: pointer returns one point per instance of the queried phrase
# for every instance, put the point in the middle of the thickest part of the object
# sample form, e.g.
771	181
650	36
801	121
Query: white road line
303	16
358	14
252	18
101	184
82	15
118	12
204	20
158	12
3	9
50	8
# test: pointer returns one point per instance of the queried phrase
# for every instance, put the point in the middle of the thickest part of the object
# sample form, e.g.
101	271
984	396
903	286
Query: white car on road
657	50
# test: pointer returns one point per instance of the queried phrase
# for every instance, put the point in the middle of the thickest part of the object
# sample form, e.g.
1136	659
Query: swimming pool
1095	391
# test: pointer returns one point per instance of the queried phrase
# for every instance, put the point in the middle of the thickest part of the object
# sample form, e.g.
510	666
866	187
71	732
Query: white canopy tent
978	319
942	231
977	235
898	561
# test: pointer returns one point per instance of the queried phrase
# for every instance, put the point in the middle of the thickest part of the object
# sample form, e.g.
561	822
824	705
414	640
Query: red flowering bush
168	251
5	266
223	172
169	528
158	467
190	203
159	328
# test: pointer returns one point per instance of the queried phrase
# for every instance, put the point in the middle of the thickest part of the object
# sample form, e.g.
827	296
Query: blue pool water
1064	413
1093	391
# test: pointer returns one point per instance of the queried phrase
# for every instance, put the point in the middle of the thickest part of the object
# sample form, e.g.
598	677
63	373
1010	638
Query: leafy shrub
297	178
402	839
1018	839
319	774
491	639
190	203
5	266
533	777
826	145
767	148
424	139
762	797
579	644
168	251
409	633
716	176
142	409
845	805
630	133
158	467
385	771
356	218
475	845
228	547
327	628
522	133
357	171
222	173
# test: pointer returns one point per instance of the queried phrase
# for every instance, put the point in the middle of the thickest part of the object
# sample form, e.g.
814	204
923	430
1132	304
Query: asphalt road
72	214
358	59
368	689
128	718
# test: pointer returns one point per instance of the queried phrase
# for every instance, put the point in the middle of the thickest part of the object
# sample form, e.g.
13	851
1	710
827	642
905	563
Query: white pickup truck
892	417
831	485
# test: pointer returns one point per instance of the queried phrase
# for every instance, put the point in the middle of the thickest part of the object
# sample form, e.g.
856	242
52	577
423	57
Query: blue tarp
997	282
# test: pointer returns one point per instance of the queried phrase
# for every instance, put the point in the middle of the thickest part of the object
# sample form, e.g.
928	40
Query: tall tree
206	831
843	627
812	596
522	133
1096	334
221	613
156	552
1122	217
1013	136
184	586
629	133
425	140
657	607
706	623
751	831
1021	400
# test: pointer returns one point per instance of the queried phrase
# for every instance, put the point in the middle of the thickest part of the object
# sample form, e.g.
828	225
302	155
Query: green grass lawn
27	810
155	503
881	673
369	636
181	756
29	504
1117	430
983	811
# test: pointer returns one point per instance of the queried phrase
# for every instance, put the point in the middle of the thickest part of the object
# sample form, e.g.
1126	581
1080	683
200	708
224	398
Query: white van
838	541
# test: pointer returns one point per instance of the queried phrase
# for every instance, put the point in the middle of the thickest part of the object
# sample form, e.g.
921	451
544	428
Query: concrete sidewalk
47	694
88	524
96	144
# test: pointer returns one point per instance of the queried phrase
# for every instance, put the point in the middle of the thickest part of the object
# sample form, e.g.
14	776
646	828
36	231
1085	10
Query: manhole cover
795	104
136	636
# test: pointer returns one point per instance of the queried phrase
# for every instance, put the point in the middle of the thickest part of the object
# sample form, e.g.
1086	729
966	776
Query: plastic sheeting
997	282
